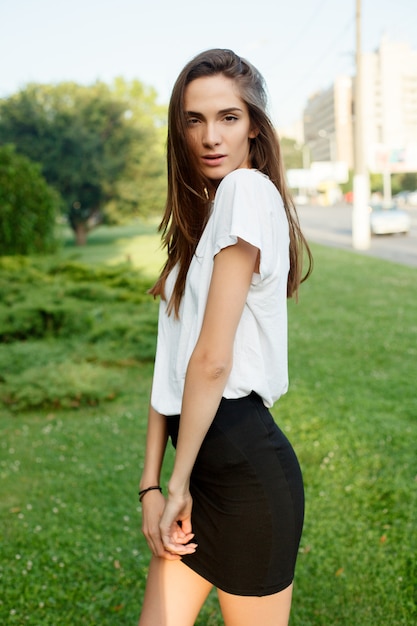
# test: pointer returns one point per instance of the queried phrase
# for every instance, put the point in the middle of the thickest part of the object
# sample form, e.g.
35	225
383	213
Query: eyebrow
221	112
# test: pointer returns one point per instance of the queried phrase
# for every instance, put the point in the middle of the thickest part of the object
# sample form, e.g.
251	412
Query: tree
28	206
291	153
142	187
96	146
404	182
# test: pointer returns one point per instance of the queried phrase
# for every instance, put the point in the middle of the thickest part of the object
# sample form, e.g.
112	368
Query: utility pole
361	232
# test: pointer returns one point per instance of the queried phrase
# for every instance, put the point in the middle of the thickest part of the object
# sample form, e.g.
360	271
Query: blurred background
73	73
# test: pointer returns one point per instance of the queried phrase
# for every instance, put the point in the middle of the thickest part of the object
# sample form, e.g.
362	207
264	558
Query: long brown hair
188	199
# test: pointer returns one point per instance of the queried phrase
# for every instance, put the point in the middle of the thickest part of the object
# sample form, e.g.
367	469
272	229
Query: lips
213	159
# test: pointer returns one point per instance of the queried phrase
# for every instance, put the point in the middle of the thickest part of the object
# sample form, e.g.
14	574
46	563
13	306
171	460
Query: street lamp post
361	232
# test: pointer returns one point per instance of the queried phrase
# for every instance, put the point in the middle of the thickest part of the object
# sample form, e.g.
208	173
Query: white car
412	198
388	221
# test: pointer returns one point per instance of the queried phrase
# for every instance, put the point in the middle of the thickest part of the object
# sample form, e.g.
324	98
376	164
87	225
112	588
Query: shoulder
248	188
248	178
248	206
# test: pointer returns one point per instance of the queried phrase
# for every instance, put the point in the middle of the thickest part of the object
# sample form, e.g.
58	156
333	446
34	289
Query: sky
299	46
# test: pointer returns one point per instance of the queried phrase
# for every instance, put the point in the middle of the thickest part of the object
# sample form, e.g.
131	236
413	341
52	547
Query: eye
230	118
192	121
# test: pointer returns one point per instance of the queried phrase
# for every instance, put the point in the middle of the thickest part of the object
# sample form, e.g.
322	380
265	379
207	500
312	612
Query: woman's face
218	126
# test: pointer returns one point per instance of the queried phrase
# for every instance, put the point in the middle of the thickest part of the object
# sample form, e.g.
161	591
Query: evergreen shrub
27	206
67	332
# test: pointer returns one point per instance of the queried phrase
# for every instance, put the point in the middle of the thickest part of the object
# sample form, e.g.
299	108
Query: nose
211	136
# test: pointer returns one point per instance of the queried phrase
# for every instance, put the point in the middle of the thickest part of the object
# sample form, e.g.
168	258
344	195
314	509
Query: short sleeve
246	207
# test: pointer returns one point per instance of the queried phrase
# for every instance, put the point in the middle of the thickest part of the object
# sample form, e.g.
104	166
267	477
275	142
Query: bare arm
156	440
153	502
207	374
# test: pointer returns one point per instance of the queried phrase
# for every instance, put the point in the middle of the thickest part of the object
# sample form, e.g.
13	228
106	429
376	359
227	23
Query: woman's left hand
175	525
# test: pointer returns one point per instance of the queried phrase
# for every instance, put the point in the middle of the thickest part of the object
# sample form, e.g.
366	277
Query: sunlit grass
138	244
71	547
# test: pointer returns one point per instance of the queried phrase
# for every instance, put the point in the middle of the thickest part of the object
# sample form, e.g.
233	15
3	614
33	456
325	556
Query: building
328	123
389	108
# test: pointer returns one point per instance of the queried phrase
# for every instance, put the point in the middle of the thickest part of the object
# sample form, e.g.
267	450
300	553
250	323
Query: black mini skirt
248	501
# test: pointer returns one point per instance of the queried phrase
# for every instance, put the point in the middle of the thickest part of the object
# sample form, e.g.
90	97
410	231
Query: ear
254	132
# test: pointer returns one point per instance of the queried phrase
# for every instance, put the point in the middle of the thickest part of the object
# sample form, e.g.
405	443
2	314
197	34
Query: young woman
234	510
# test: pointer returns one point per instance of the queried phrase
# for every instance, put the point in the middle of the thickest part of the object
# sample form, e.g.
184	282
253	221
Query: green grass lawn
134	244
75	371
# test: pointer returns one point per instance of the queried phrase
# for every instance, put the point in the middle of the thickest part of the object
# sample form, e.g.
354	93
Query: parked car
412	198
401	198
405	198
389	220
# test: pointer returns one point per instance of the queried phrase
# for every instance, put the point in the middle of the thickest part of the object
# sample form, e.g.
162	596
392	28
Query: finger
157	548
181	537
179	548
161	549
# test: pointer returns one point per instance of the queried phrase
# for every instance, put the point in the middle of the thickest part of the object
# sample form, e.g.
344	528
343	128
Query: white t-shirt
247	205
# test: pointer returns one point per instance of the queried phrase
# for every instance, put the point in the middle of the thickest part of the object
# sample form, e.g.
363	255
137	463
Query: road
332	226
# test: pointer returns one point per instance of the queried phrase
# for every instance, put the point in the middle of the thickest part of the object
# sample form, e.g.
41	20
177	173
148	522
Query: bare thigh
174	594
272	610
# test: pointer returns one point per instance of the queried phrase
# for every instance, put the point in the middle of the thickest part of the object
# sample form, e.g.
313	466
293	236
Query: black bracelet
145	491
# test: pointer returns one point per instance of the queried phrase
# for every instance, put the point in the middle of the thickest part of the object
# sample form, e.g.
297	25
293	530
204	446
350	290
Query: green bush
29	320
68	331
62	385
125	283
27	206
